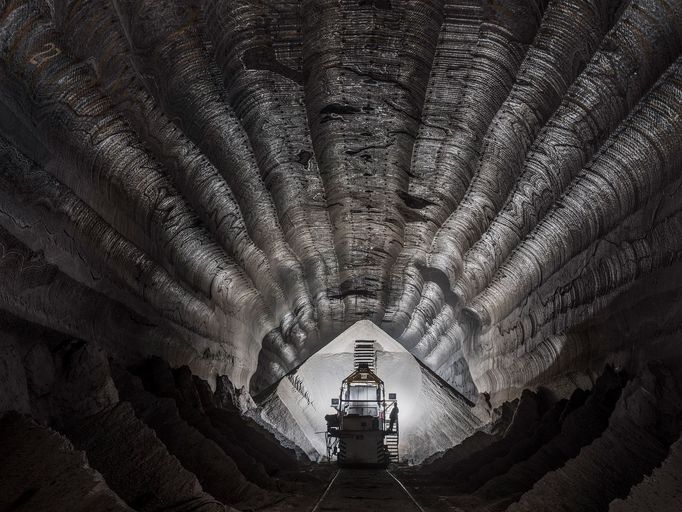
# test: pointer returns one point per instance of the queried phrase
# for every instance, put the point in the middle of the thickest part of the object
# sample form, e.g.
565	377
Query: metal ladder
392	440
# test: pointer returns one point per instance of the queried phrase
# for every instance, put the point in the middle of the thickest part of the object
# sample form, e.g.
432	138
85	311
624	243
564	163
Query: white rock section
433	416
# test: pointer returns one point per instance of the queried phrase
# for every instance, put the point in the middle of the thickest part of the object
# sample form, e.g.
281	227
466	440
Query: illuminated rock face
433	416
198	196
230	185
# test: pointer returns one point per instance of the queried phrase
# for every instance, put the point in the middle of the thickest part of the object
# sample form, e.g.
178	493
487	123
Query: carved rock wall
487	181
248	179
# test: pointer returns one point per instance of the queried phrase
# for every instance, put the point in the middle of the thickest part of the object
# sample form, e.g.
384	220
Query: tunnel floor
366	490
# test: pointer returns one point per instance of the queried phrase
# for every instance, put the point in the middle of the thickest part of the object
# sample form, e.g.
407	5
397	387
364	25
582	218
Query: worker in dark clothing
393	417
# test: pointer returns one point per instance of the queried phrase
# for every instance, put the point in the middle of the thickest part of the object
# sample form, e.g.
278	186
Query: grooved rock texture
196	196
133	460
165	442
661	491
43	472
233	184
599	450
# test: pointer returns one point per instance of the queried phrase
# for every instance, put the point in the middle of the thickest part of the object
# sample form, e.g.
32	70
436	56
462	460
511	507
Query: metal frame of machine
358	434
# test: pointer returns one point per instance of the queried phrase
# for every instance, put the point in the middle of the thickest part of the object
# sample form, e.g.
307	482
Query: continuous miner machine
364	430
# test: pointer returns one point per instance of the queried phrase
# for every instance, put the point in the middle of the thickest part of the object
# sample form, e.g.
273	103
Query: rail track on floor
366	490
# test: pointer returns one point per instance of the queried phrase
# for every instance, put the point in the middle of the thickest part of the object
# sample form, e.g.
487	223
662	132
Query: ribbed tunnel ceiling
230	184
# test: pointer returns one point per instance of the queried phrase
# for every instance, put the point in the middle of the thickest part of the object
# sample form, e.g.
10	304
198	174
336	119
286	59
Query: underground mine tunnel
367	255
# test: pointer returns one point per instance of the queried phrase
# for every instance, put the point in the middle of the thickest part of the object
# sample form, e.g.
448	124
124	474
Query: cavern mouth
206	206
432	414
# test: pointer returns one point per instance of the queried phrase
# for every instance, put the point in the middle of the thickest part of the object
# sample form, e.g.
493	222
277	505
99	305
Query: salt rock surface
433	415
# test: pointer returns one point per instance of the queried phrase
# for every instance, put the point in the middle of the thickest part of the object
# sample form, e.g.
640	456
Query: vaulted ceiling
229	184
